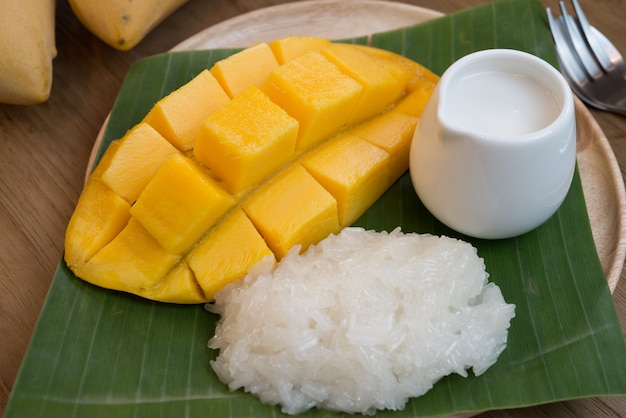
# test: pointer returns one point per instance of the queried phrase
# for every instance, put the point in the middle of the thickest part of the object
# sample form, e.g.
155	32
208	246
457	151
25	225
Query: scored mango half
278	145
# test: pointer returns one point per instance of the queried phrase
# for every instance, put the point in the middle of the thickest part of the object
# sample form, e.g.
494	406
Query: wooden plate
602	181
326	18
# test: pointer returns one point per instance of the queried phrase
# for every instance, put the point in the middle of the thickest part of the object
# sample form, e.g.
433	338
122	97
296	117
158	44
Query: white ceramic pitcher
494	153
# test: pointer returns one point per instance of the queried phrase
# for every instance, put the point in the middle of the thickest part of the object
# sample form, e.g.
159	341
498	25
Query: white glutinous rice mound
360	322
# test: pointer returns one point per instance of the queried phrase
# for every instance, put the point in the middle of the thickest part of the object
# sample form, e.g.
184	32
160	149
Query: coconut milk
501	104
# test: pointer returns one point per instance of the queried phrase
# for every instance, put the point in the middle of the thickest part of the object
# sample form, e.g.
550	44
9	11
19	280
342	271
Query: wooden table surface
44	150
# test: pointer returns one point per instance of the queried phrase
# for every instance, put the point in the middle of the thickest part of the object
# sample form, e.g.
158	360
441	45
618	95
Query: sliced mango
183	205
393	133
178	115
249	67
247	140
179	286
226	254
321	104
414	103
180	204
99	216
380	86
133	261
293	209
353	171
405	70
128	166
286	49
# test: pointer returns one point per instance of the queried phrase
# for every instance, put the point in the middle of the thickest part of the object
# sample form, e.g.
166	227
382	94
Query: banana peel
122	23
26	51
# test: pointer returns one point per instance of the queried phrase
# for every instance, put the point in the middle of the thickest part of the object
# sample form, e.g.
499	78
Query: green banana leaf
100	353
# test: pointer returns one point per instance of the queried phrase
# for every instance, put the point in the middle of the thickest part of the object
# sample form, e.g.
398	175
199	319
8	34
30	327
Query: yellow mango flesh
249	67
128	167
413	104
247	140
178	115
99	216
353	171
286	49
321	105
133	261
293	209
380	86
405	70
226	254
178	216
277	166
179	286
393	133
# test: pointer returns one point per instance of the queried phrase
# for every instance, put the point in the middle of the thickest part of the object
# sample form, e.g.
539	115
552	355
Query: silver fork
591	64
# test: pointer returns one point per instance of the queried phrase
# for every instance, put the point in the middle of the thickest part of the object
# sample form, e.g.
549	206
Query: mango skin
178	226
26	51
121	23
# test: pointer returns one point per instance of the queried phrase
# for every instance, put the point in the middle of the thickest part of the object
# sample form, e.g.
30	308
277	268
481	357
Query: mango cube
247	140
293	209
248	67
178	216
354	171
321	105
128	166
133	261
105	160
99	216
392	132
178	115
226	253
286	49
415	102
380	87
404	69
179	286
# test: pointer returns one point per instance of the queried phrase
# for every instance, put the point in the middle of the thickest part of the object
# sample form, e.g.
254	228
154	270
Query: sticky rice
361	322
